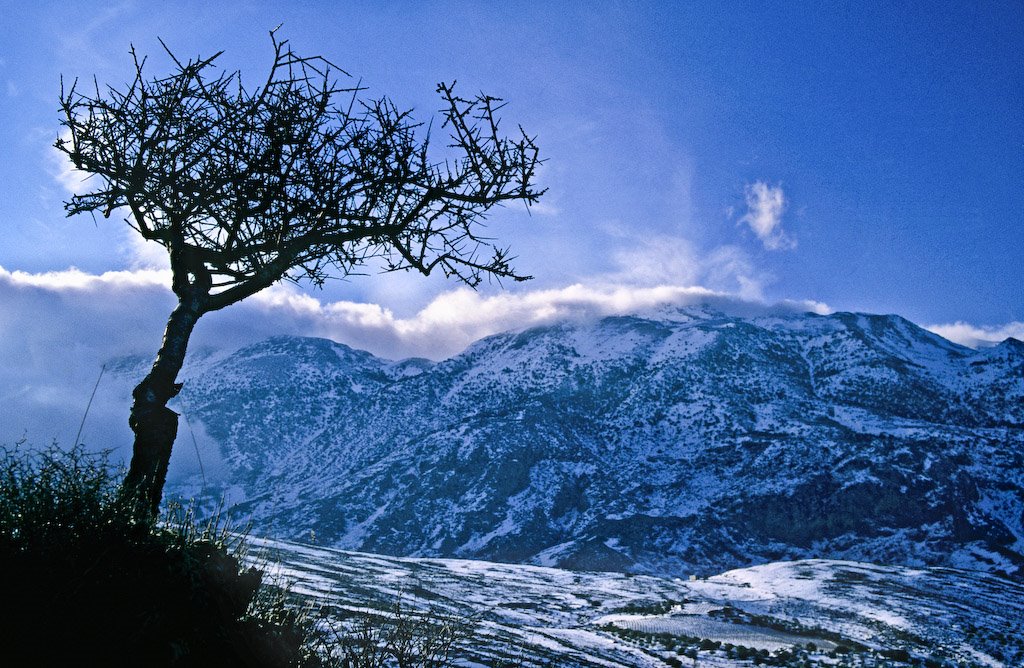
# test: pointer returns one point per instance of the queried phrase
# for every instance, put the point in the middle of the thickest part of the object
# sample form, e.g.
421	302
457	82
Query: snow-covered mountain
689	441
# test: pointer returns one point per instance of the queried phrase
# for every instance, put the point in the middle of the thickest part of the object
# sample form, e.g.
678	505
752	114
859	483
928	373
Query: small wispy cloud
665	259
974	336
765	206
72	180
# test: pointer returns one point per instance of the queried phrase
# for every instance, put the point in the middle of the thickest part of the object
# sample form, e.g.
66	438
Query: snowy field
826	612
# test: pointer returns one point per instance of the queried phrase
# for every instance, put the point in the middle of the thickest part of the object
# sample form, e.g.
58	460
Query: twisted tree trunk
155	425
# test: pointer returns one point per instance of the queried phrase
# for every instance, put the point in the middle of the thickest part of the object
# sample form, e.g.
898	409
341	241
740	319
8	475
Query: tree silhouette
299	178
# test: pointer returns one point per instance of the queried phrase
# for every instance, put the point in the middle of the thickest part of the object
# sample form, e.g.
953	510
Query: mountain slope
691	441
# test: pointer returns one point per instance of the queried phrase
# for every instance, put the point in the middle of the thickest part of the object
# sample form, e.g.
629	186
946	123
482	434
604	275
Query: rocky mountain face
690	441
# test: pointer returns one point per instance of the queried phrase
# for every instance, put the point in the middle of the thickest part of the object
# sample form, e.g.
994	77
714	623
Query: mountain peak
1011	343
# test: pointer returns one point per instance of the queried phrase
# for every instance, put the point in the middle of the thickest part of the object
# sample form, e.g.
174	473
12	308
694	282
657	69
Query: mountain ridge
694	441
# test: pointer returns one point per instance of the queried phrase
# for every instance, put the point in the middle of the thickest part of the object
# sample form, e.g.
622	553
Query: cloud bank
58	328
974	336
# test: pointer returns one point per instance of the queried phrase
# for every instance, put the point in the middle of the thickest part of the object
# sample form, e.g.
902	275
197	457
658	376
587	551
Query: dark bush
88	581
896	654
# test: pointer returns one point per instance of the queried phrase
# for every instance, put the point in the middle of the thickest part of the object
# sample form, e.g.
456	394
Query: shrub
397	635
86	580
896	654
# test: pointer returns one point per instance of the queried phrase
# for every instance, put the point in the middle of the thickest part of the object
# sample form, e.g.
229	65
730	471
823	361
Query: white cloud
656	259
454	319
72	180
974	336
730	269
545	207
58	328
75	279
145	255
765	206
672	260
122	312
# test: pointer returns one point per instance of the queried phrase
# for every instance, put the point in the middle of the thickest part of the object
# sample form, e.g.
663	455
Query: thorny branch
299	178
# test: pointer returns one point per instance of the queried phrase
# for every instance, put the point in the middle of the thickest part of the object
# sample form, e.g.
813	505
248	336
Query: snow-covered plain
546	616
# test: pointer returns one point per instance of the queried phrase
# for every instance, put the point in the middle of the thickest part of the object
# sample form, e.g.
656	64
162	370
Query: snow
550	613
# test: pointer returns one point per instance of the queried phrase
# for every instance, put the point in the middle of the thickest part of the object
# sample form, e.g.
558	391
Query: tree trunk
155	425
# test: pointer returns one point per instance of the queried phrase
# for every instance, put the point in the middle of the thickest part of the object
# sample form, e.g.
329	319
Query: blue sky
849	157
896	134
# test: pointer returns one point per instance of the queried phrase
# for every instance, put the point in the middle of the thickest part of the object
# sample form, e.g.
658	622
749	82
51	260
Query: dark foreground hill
693	441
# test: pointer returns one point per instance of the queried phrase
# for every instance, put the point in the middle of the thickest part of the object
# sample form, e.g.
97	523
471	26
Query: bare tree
299	178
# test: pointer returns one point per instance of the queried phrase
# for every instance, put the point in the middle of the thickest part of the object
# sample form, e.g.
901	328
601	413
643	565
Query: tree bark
155	425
